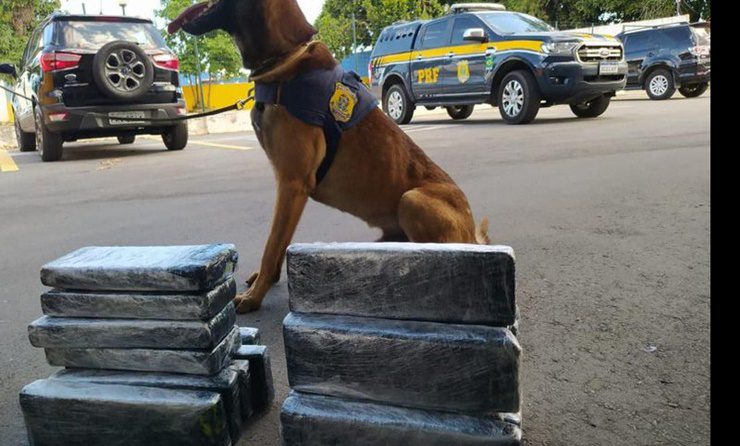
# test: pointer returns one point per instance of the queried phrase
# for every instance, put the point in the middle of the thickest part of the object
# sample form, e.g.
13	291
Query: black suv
95	76
665	58
481	53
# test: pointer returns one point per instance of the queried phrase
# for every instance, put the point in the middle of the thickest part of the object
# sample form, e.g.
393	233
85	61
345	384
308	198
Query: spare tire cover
122	70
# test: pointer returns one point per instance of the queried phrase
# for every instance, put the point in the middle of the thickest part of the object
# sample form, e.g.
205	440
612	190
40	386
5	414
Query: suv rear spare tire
518	97
176	137
591	109
397	104
693	90
48	144
122	70
126	139
659	85
460	111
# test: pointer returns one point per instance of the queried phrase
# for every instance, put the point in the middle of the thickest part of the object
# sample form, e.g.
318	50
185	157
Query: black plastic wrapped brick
195	362
60	413
229	383
314	420
467	368
196	305
142	268
449	282
262	389
63	332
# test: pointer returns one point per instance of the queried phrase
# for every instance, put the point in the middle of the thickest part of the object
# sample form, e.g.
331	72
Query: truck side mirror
7	68
475	35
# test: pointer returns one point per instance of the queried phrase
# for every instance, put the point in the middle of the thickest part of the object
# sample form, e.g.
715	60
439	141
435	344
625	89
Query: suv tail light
699	50
166	60
59	61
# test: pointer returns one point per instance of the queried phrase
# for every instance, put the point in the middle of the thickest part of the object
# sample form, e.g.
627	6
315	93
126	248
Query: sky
145	8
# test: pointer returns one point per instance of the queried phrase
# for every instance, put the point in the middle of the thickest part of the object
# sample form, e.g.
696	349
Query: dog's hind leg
436	213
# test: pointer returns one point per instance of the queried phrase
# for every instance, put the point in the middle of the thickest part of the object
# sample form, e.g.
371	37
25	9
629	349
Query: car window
93	35
515	22
461	25
640	42
435	34
34	46
677	37
48	35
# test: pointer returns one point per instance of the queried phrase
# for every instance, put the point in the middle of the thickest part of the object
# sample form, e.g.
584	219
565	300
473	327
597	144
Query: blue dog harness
332	99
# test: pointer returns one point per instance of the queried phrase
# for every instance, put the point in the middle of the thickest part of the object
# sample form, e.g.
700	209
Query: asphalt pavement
609	219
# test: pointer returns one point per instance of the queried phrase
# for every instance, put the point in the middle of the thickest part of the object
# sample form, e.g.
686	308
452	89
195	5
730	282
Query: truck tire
397	104
126	139
122	70
26	141
519	97
48	144
591	109
176	137
460	111
693	90
659	85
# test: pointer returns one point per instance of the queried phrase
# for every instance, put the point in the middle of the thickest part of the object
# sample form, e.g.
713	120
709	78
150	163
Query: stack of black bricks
401	344
151	350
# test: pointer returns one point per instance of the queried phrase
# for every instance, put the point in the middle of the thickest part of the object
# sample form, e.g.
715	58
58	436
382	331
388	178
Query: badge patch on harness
342	102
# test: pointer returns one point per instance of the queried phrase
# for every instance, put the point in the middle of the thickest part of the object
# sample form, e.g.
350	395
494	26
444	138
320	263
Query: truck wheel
591	109
26	141
126	139
397	104
693	90
48	144
176	137
518	97
659	85
460	111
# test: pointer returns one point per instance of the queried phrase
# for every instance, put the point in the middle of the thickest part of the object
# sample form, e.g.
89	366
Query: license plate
132	117
608	68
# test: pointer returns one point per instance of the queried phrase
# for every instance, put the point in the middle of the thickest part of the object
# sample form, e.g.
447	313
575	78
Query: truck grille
589	53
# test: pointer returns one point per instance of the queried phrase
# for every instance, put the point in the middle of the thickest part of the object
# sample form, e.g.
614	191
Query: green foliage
18	19
218	55
582	13
371	16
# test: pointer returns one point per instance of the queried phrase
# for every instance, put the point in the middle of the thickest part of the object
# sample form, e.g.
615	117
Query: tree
18	19
371	16
218	55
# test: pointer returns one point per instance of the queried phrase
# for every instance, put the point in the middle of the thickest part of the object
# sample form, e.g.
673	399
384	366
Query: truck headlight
559	48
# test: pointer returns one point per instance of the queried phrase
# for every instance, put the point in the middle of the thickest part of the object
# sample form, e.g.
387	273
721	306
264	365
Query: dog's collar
277	63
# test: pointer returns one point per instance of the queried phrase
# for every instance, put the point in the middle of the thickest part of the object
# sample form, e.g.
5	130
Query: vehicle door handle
418	56
451	54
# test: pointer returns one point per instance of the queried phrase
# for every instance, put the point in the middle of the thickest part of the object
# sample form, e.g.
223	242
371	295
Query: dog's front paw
247	301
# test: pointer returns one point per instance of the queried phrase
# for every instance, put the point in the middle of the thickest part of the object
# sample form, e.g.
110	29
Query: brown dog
378	174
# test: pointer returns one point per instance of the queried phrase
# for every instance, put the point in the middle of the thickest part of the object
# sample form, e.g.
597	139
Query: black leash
238	105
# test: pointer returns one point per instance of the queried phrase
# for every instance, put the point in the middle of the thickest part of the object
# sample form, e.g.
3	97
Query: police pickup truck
481	53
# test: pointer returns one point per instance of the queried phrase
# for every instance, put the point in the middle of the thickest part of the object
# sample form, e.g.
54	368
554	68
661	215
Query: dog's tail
481	232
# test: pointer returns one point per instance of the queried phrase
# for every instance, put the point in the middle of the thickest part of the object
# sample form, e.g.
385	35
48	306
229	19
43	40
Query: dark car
665	58
481	53
96	76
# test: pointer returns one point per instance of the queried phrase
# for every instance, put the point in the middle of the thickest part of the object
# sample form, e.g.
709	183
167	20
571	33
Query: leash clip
242	103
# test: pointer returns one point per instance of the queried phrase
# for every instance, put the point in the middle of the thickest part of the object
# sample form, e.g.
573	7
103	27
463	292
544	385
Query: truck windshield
514	23
93	35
